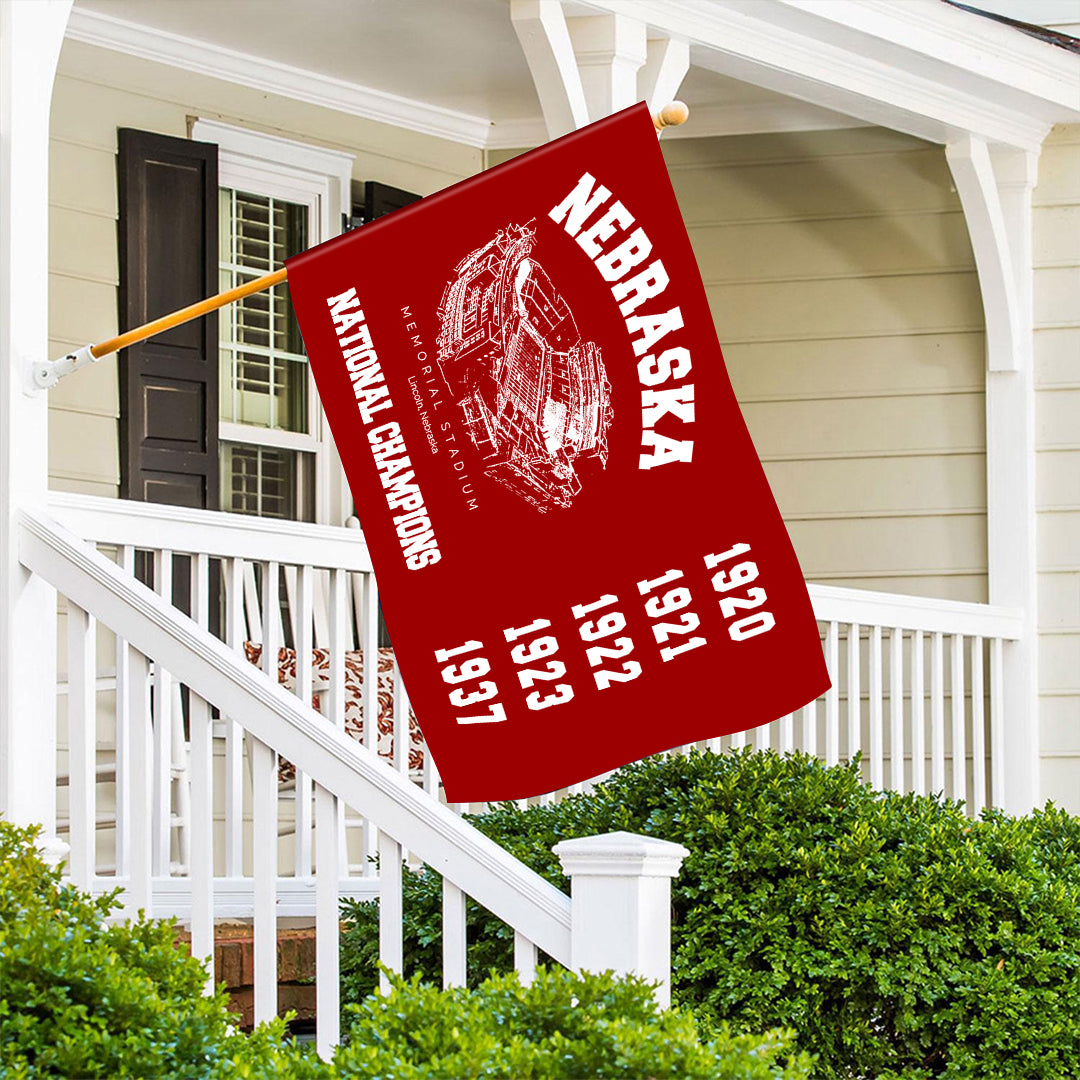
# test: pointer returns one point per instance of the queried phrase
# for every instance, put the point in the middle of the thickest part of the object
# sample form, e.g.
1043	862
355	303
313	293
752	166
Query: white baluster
787	733
997	724
401	723
233	571
832	695
357	587
978	729
918	715
302	639
896	708
937	715
201	857
163	700
327	933
289	575
391	951
271	619
431	774
322	608
808	714
762	736
337	613
82	744
264	837
959	742
453	935
181	783
738	741
877	766
402	741
140	785
524	959
854	691
252	607
368	620
122	742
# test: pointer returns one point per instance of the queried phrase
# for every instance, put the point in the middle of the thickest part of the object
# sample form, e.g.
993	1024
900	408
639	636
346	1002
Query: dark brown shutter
168	259
382	199
372	200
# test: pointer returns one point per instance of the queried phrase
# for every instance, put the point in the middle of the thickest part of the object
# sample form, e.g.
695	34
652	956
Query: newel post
620	893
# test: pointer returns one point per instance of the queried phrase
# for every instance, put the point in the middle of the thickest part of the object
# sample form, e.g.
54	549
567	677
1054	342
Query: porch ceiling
453	69
457	69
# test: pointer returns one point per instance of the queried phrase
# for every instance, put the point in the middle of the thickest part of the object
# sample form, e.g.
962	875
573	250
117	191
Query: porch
917	693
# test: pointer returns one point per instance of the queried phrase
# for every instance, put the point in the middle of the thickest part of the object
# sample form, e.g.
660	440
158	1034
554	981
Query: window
264	381
276	199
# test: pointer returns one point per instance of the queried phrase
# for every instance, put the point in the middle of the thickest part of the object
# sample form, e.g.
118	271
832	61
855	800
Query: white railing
341	771
170	740
916	690
618	871
326	600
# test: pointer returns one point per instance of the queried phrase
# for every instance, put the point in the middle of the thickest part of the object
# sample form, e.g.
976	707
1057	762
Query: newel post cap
620	854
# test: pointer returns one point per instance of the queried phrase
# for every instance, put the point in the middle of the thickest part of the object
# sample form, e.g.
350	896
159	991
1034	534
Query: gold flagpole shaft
669	116
192	311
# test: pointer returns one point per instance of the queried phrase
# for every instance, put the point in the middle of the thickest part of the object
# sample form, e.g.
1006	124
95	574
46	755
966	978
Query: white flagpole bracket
49	372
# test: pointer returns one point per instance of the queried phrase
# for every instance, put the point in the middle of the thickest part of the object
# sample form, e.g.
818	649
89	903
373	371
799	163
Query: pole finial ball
671	115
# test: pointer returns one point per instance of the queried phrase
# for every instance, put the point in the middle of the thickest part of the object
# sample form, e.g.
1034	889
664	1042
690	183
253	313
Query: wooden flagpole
48	374
671	115
192	311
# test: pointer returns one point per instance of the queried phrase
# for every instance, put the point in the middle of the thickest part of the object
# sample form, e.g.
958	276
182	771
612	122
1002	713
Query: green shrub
80	997
897	937
563	1026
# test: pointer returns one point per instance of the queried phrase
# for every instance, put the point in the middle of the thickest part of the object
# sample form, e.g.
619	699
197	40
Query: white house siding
96	92
1057	418
843	288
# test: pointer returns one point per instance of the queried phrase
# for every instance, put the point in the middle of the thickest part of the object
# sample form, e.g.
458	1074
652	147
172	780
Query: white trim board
921	67
285	154
204	58
751	118
148	43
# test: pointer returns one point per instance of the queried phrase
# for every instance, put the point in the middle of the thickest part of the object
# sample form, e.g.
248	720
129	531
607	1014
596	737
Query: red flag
578	555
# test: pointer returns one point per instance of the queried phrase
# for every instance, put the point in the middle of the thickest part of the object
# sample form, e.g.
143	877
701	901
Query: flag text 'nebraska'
669	364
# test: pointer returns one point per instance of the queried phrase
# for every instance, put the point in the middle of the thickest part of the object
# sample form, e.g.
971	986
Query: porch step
104	772
108	821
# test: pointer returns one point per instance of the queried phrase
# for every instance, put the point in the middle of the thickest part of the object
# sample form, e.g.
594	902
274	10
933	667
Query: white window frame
320	179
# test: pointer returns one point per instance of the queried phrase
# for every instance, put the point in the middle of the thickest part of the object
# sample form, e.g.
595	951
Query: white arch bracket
1000	248
587	67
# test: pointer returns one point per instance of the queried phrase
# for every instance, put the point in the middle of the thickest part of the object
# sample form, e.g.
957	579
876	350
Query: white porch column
620	892
31	33
1011	502
610	50
589	66
995	191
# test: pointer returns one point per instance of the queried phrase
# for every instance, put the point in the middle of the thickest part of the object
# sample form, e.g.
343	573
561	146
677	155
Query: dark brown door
168	259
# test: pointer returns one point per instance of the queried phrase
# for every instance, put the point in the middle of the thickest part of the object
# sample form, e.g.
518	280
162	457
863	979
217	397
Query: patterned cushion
354	701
